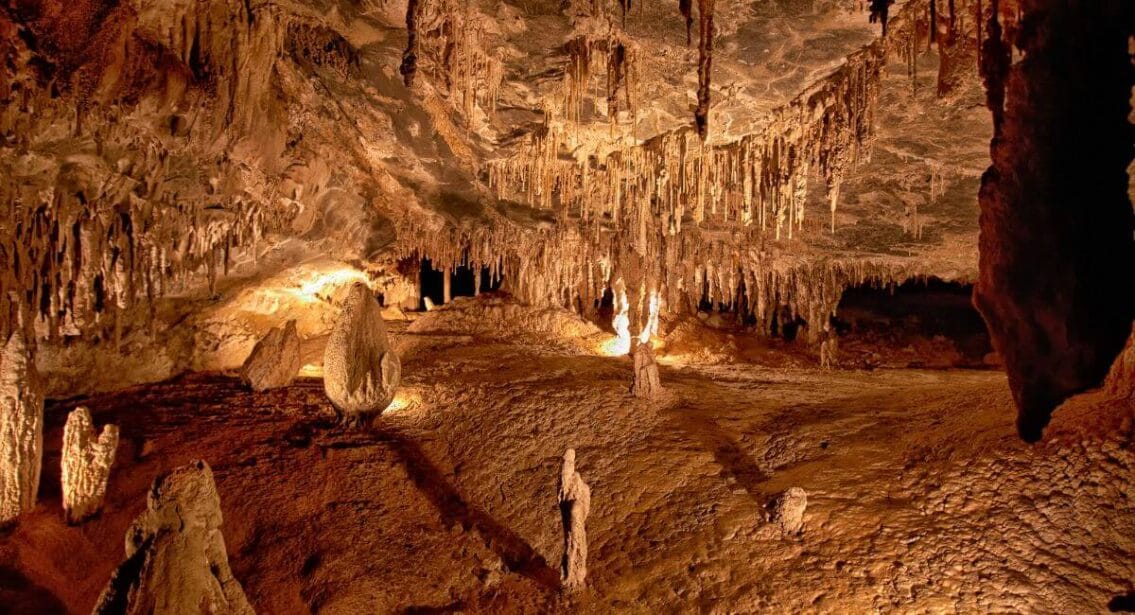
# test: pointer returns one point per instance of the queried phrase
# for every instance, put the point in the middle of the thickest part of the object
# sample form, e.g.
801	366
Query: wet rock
175	553
275	360
646	382
788	510
21	429
575	504
360	368
85	465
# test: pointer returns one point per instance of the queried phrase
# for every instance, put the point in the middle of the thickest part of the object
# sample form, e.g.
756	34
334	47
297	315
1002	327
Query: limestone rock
360	369
175	553
1120	381
646	382
788	510
275	360
575	504
85	465
21	429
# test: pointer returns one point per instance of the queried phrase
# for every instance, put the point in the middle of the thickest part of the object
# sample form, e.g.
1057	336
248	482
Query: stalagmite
829	352
1120	380
575	504
21	429
360	369
176	561
646	382
85	464
788	511
447	286
275	359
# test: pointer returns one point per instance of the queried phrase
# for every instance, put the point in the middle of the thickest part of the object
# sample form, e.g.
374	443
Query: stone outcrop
575	504
85	465
1120	381
275	359
21	429
646	382
788	510
360	368
175	553
1056	219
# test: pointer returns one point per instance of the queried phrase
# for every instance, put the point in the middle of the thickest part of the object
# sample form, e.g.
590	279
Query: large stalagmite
1056	217
21	429
275	360
85	465
360	369
575	504
176	560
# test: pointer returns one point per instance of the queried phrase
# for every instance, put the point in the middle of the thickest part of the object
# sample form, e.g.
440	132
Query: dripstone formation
275	360
360	369
646	382
21	429
575	504
86	463
175	554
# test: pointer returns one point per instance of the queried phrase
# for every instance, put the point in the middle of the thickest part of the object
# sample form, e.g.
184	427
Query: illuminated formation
575	504
21	429
176	560
646	383
86	462
275	359
361	371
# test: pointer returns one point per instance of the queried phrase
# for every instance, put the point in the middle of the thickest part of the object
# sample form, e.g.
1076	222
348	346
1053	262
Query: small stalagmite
275	360
175	553
21	429
788	510
360	369
575	504
646	382
85	465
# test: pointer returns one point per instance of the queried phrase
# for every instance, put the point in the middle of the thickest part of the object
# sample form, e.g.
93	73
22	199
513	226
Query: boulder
275	360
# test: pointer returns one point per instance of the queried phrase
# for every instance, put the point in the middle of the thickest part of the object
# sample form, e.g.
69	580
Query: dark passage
465	282
926	323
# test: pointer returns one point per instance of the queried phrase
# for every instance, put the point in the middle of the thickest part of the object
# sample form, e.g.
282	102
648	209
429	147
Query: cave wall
1056	219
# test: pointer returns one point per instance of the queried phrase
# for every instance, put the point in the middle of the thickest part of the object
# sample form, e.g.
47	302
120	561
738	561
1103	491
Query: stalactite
686	8
409	65
705	65
995	56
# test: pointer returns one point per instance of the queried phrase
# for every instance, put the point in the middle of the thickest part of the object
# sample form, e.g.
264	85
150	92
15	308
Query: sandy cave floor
920	496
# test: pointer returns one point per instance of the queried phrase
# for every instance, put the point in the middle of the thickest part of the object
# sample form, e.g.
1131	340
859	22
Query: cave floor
920	496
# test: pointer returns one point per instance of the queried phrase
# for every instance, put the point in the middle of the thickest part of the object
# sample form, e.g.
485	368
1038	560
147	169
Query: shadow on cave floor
1123	603
19	596
726	450
517	554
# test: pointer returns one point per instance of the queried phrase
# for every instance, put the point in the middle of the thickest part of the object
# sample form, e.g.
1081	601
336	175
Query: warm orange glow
404	401
311	370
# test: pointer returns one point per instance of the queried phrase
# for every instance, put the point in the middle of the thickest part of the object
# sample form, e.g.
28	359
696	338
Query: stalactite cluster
673	179
686	219
570	269
106	210
447	42
613	52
